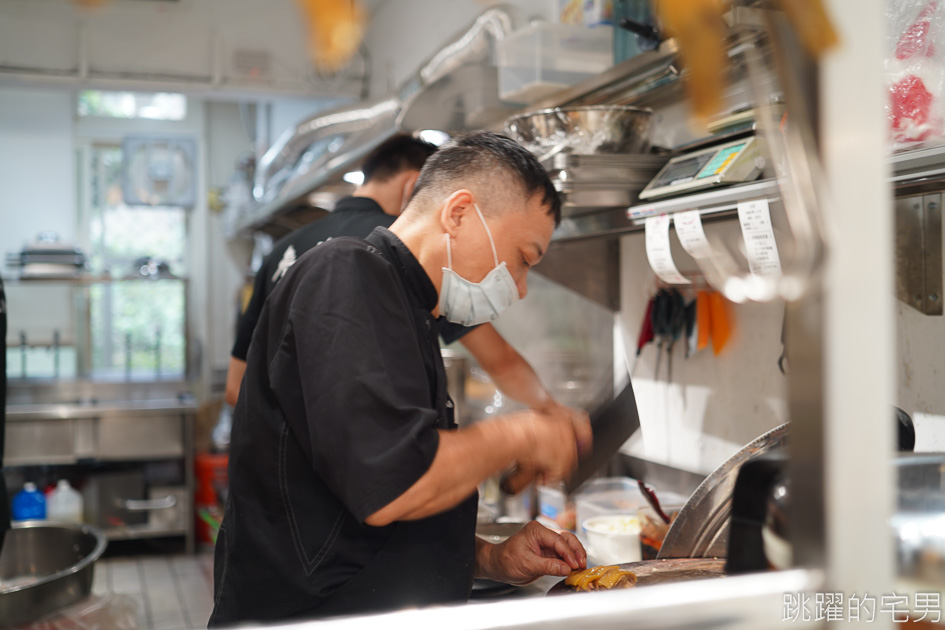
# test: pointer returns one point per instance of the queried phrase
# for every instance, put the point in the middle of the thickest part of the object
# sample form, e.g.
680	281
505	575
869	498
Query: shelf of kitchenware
909	167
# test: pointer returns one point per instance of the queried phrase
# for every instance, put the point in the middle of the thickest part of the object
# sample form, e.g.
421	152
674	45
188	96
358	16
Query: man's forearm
234	380
463	459
508	369
484	559
517	380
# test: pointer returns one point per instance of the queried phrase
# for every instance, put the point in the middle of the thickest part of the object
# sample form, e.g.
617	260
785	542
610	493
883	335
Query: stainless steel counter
751	602
83	423
65	433
92	409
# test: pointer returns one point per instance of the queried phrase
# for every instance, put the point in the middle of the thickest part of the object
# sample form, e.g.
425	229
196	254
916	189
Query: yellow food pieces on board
601	578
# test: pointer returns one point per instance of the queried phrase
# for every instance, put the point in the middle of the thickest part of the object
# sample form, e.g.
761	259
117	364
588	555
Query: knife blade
611	425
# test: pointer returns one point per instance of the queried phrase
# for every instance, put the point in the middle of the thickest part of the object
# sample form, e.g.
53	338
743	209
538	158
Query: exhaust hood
455	90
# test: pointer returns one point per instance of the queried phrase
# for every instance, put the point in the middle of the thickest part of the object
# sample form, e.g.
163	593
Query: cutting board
650	572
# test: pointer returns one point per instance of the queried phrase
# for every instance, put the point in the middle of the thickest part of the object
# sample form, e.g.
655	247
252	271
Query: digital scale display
729	163
721	159
682	171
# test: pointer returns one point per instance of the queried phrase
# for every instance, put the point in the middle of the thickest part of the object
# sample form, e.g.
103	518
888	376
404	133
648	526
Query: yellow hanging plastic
700	30
720	322
336	28
703	320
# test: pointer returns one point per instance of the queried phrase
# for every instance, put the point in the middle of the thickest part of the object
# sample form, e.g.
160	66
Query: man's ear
455	209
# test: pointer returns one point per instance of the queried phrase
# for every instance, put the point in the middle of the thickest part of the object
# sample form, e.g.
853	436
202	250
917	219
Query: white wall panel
37	193
226	141
37	39
37	179
186	40
713	405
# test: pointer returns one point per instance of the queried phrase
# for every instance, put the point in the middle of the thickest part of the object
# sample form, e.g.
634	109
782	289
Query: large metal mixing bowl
585	130
46	566
701	528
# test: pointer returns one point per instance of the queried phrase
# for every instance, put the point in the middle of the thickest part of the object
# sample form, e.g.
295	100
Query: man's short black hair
485	152
396	154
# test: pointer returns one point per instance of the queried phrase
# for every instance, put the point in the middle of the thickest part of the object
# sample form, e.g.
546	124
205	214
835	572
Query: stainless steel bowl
701	529
46	566
585	130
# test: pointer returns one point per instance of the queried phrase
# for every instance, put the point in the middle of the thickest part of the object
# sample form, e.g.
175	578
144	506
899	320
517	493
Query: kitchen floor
164	592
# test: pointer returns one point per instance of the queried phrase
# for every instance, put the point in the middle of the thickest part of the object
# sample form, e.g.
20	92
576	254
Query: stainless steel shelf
917	172
918	164
913	168
719	204
11	280
624	83
332	172
129	408
135	532
715	204
713	201
630	81
913	172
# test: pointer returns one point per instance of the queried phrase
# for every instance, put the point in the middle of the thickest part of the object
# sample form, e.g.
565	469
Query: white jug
64	504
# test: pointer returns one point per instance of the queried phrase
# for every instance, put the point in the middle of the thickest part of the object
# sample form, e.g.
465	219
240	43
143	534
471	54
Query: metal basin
584	130
46	566
701	528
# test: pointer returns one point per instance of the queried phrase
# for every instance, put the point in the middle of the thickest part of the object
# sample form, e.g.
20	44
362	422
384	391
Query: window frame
86	149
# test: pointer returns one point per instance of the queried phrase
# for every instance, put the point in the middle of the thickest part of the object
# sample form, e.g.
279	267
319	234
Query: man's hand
531	553
558	436
545	445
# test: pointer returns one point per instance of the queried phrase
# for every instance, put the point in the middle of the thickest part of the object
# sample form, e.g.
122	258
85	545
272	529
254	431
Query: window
137	316
154	106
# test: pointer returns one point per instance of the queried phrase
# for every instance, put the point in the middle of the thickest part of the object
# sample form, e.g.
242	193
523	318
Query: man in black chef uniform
390	172
351	490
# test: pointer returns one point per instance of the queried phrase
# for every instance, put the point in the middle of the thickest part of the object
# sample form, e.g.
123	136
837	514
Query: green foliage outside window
138	324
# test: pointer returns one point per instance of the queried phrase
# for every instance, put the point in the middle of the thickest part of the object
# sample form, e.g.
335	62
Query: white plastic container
543	58
614	538
616	495
64	504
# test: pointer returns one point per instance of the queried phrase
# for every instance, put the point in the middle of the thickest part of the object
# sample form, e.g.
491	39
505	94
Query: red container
211	482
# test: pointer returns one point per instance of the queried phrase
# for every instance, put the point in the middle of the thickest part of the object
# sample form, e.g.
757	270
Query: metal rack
109	423
81	423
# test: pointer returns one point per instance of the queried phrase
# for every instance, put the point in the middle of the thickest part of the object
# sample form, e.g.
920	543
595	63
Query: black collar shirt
338	415
352	216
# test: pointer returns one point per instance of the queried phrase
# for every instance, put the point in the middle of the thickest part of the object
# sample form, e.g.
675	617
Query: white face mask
473	303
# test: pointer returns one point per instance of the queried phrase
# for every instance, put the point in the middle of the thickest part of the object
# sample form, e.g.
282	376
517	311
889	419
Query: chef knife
611	425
